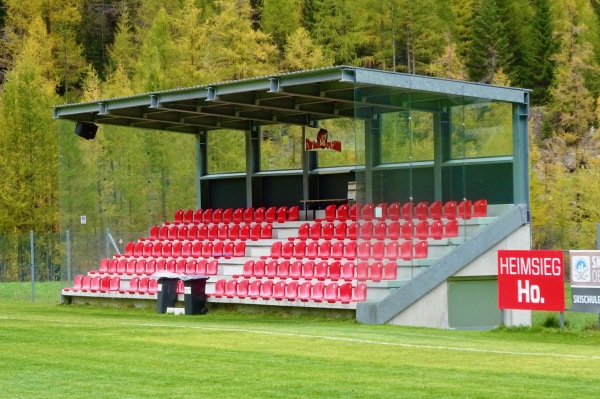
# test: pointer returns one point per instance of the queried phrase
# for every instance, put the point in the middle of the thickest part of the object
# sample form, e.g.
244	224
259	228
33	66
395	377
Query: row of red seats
197	249
239	215
380	231
137	285
291	291
141	266
182	232
407	211
323	270
338	250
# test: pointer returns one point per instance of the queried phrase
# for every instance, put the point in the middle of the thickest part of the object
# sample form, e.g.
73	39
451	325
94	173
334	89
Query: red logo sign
322	143
531	280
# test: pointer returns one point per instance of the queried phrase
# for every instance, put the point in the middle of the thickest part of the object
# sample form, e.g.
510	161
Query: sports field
61	351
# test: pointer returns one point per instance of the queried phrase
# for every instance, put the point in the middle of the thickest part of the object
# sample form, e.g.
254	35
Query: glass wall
281	147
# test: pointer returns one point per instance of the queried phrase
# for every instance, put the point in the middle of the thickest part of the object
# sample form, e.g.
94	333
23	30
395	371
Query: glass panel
226	151
487	131
406	134
346	132
281	147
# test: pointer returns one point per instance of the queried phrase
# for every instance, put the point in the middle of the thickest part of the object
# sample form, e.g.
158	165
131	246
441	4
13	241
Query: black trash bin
167	290
194	295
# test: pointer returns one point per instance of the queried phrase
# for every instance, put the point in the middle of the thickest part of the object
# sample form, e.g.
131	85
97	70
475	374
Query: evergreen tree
541	70
280	18
301	53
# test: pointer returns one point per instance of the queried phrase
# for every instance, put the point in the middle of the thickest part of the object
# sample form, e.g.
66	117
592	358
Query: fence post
32	259
68	239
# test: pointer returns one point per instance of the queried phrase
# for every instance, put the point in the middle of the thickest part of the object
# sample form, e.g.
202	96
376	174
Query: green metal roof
300	98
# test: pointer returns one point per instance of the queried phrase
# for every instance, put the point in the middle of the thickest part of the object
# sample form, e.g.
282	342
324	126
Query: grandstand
406	237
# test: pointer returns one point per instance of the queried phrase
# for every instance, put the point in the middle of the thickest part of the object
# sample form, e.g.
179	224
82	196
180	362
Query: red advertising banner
531	280
322	142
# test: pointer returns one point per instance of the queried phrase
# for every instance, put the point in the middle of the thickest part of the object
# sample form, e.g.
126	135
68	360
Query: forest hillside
65	51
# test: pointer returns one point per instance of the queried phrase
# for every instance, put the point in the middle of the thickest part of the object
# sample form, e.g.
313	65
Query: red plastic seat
207	216
150	266
143	285
266	231
172	232
345	293
271	214
131	267
163	232
178	218
254	289
321	270
170	266
337	250
451	228
281	214
352	232
103	266
212	267
148	249
305	291
217	216
421	250
334	271
202	232
227	215
291	291
191	266
362	271
393	211
422	230
295	271
180	287
239	249
330	212
360	293
161	265
354	212
300	249
138	248
464	209
392	250
271	269
303	231
350	250
152	286
366	230
393	230
379	249
129	248
152	236
259	214
76	283
259	268
435	210
115	284
247	270
219	288
213	232
312	250
234	232
279	290
422	210
182	233
287	250
231	288
347	271
266	290
207	249
380	231
242	289
342	212
248	215
197	249
407	211
201	266
293	213
283	269
244	232
223	231
122	266
112	266
186	249
376	271
368	212
406	250
166	249
324	250
436	230
308	270
364	250
390	271
450	209
480	208
188	216
331	294
407	231
339	232
318	292
197	216
238	215
328	230
276	249
176	250
133	286
315	231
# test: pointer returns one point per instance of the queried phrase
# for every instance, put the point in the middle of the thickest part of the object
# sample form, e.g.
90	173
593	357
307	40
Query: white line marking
330	338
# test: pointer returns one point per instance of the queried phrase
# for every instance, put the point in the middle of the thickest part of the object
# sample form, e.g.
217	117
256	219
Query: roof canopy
300	98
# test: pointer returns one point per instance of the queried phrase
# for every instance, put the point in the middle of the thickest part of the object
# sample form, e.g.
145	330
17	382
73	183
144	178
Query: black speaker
86	130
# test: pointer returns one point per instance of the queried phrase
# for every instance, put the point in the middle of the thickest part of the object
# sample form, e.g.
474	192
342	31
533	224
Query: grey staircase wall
383	311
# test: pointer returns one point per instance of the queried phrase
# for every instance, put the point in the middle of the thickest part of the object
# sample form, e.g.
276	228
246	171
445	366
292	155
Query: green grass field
62	351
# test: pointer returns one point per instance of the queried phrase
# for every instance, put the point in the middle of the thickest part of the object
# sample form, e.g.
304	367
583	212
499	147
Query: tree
301	53
280	18
541	70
